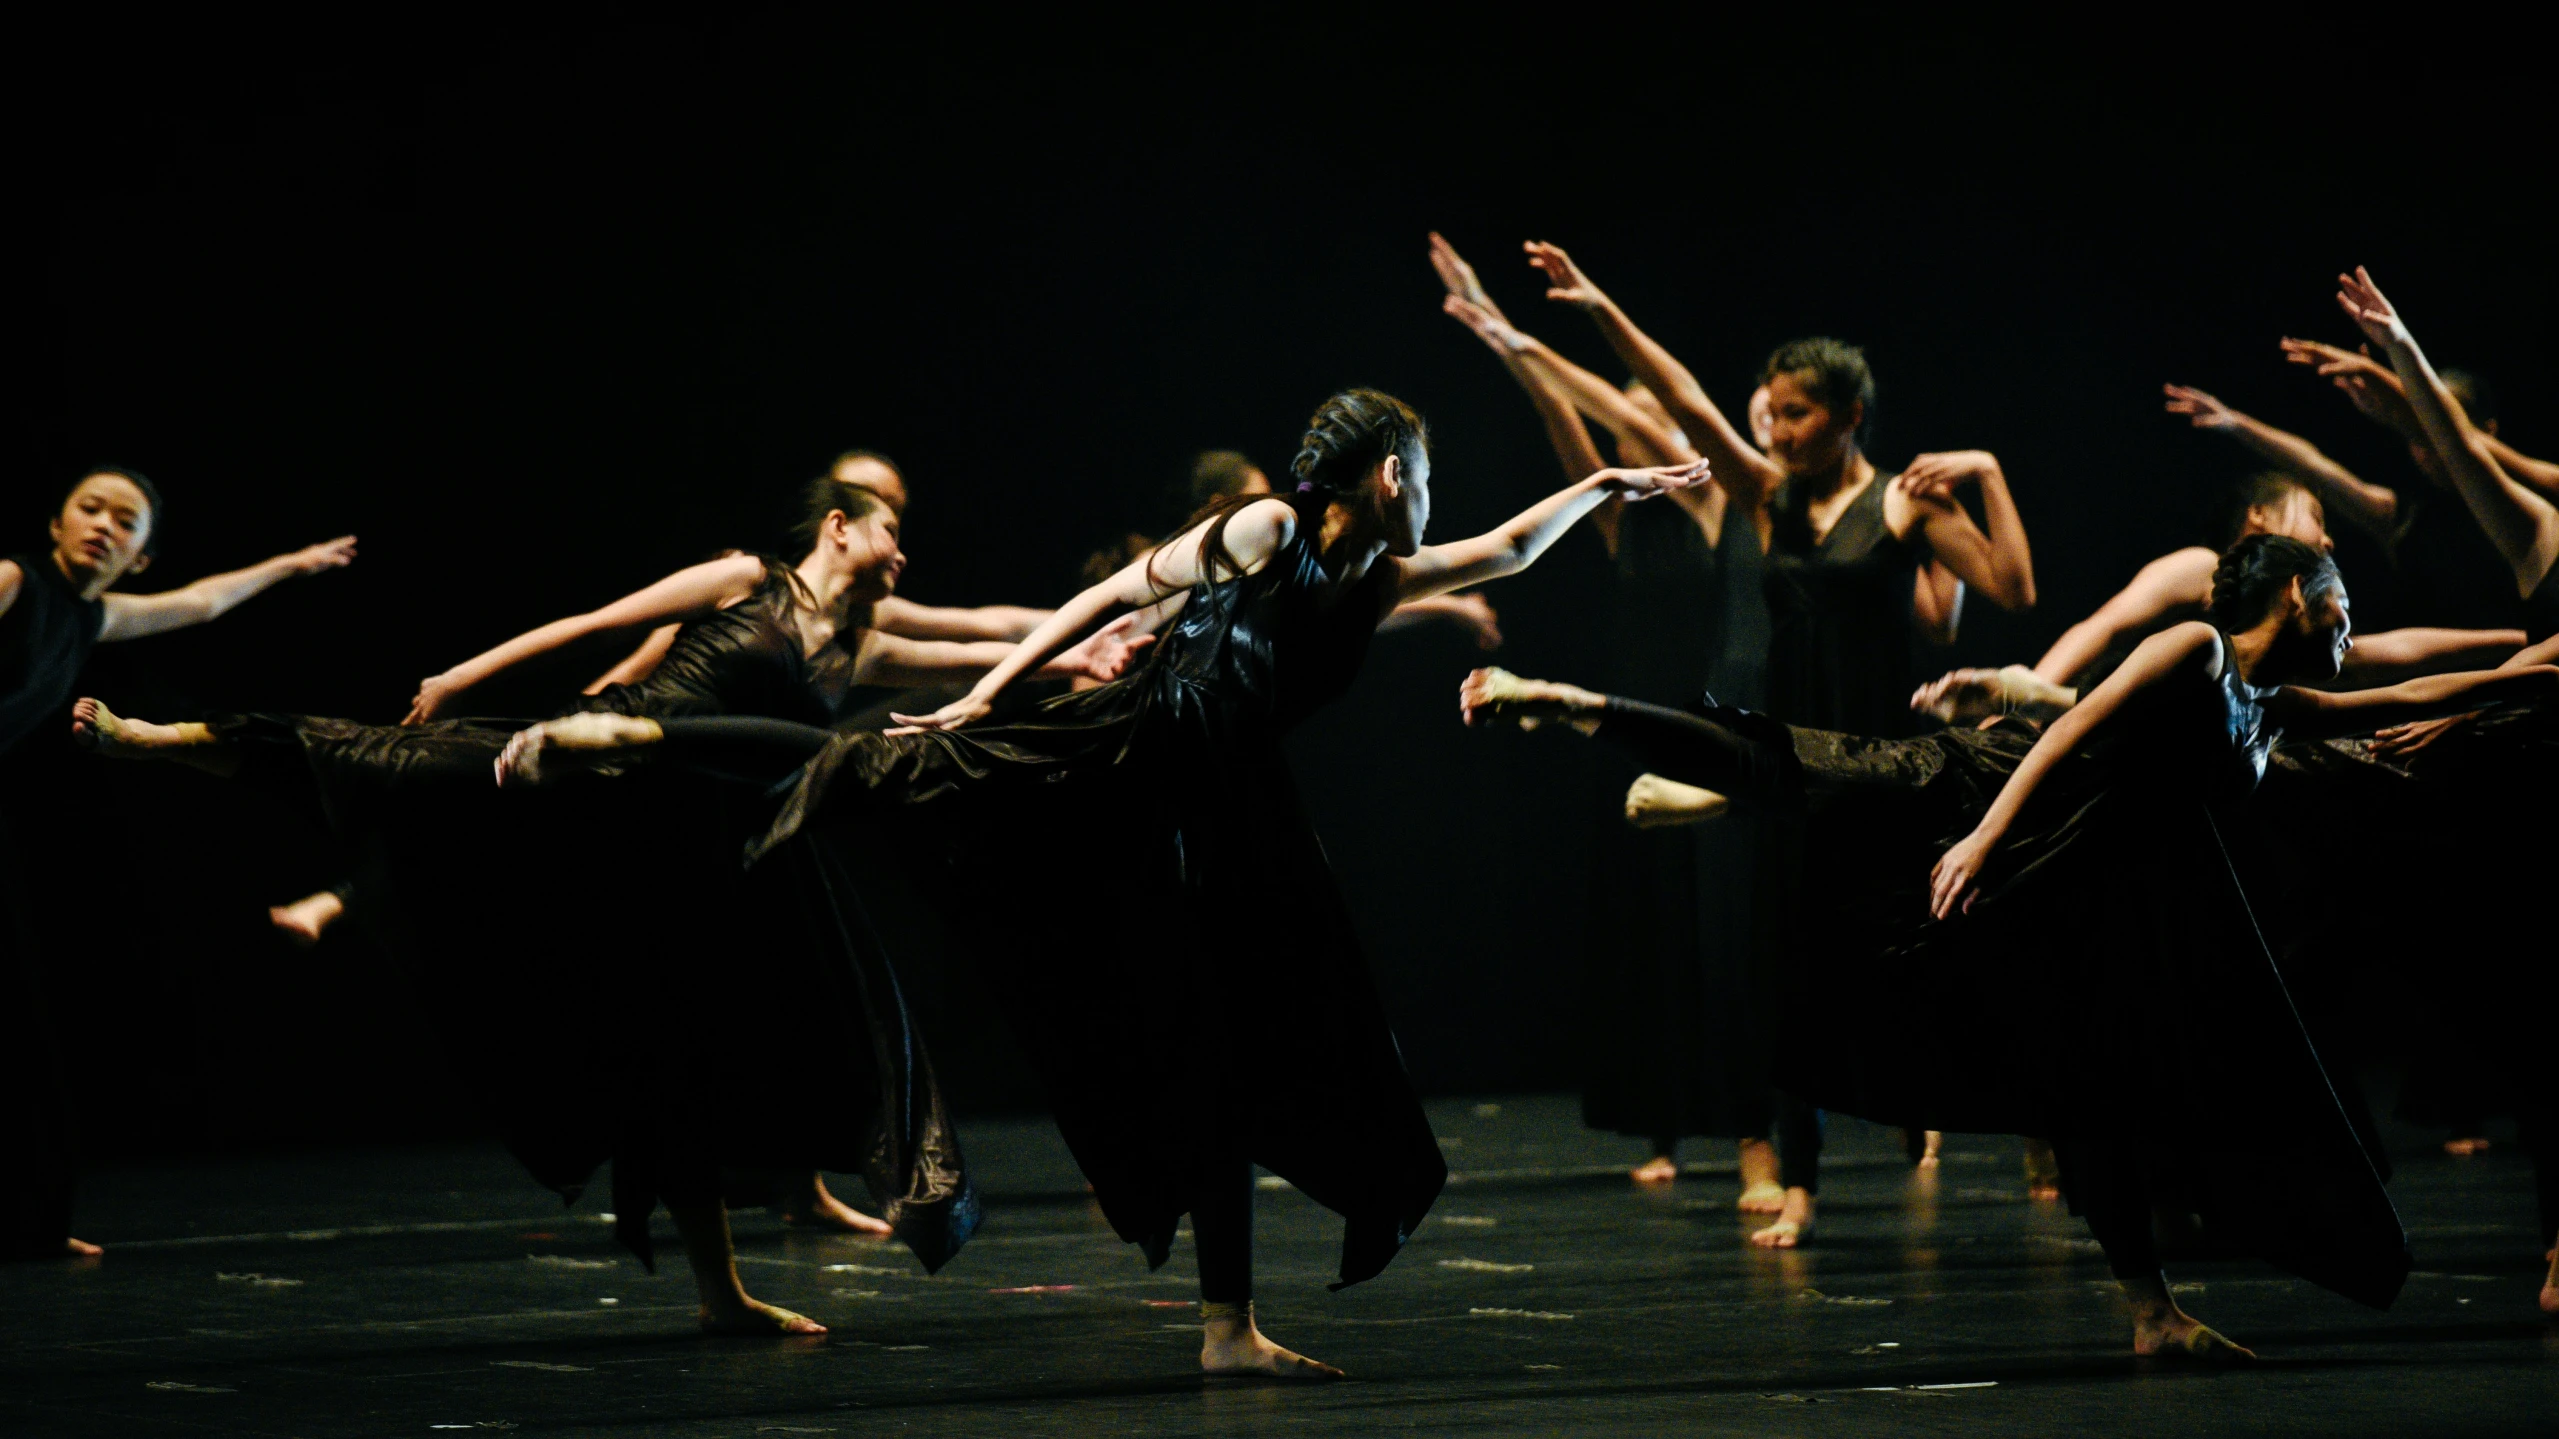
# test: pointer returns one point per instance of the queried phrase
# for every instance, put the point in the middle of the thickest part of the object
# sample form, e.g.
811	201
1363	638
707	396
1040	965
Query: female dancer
1667	977
505	970
2194	1079
54	606
1845	549
1240	1025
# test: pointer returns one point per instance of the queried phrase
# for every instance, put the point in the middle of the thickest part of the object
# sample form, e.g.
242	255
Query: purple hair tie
1306	487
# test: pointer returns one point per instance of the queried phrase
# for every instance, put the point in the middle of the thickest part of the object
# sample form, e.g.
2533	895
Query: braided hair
1349	435
2256	570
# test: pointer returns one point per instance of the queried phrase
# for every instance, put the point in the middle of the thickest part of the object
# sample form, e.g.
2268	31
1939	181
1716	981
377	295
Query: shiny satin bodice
743	660
1263	651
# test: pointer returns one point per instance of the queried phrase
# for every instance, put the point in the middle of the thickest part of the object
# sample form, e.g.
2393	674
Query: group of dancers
2088	901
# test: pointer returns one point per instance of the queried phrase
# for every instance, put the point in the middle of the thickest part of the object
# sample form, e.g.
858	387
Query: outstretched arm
130	617
2186	648
1999	564
2174	584
1438	569
687	594
1743	472
2369	507
1253	534
2523	525
938	622
2394	655
2323	714
2379	393
887	659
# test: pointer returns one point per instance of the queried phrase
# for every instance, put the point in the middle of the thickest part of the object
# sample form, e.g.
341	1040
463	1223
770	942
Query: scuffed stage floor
418	1291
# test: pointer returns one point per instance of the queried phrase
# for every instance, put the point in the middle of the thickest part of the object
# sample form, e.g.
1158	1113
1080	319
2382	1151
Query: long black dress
1840	617
45	638
1670	990
563	938
1220	1003
2110	988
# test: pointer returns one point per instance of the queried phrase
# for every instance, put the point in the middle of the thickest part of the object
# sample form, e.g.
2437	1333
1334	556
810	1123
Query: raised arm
2173	585
2378	392
1999	564
2523	525
685	595
2369	507
1743	472
1512	547
130	617
2182	649
1555	409
1253	534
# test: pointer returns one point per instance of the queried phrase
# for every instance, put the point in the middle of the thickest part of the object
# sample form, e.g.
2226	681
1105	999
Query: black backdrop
542	309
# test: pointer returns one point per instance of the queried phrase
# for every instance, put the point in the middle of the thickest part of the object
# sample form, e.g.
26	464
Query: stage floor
415	1291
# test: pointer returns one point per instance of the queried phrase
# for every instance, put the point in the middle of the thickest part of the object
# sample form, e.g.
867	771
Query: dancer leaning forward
2053	939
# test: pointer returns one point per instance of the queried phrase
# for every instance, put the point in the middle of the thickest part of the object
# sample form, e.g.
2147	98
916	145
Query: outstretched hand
328	555
1564	279
2364	303
1459	276
1956	881
1490	328
1105	654
967	709
2402	740
2206	412
1642	484
434	693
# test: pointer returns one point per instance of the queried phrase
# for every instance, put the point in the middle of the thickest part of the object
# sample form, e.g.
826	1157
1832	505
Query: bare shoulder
11	577
2185	642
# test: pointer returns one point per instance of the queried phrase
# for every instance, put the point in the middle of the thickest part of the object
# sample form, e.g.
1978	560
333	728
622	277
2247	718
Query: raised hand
967	709
2207	412
1489	327
2373	386
1459	276
1642	484
330	555
2364	303
1564	279
434	693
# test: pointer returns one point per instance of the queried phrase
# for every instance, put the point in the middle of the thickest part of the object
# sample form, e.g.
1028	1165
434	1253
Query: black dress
45	638
1670	994
1218	1001
558	936
2110	986
1841	625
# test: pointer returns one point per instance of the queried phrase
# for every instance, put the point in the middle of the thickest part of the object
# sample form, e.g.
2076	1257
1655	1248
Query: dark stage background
545	308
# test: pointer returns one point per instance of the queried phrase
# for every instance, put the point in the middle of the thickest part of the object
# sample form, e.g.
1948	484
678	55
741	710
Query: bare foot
306	919
814	1208
2179	1335
2043	1171
2549	1286
2468	1145
1761	1193
83	1249
1660	1169
1497	695
1653	802
101	730
1230	1345
568	742
1931	1141
753	1317
1794	1226
1965	696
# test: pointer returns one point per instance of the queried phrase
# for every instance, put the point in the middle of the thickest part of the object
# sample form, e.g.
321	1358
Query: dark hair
151	501
825	495
875	457
1220	475
2255	570
1834	372
2265	490
1347	436
2477	400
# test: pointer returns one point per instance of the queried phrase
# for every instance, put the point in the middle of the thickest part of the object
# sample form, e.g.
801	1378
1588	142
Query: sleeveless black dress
558	934
45	638
2111	984
1171	949
1671	993
1841	625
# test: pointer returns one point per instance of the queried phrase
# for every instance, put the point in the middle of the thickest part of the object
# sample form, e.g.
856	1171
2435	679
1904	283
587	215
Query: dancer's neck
1348	543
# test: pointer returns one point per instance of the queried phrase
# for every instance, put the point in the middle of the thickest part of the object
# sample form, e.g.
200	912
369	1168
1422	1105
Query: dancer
1667	967
561	1061
2196	1081
2377	391
1237	1024
55	604
1845	547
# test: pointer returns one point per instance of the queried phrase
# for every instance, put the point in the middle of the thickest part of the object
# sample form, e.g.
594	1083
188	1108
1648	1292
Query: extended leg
2107	1188
101	729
